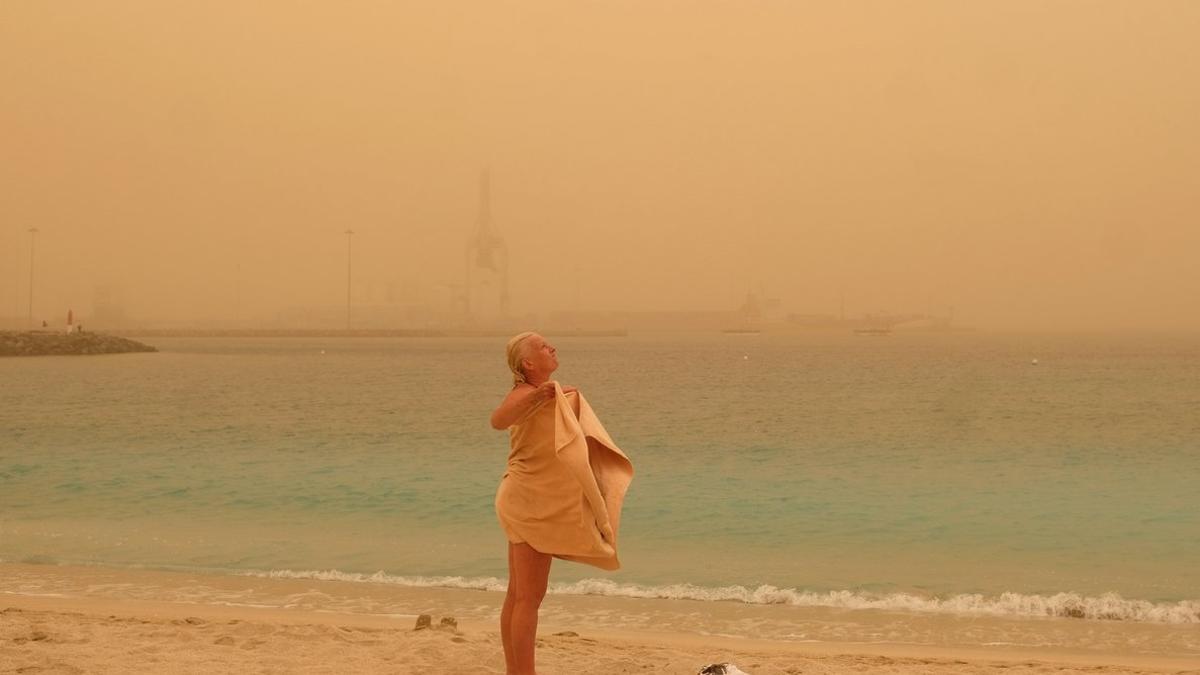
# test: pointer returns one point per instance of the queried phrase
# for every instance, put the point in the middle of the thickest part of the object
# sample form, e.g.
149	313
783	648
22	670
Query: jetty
55	343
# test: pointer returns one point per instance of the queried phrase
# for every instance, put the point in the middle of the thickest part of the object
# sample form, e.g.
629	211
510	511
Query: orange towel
565	483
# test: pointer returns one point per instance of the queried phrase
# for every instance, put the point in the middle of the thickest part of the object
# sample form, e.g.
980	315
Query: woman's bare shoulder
518	391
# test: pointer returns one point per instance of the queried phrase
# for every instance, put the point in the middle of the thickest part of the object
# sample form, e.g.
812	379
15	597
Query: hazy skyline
1031	164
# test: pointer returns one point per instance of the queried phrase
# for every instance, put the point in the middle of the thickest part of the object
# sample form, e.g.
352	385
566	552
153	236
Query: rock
38	636
448	622
424	621
567	633
227	640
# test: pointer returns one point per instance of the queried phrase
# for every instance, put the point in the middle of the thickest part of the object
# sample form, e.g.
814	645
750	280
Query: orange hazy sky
1032	164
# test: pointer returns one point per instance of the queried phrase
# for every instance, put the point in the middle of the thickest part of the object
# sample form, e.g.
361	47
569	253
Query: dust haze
1014	165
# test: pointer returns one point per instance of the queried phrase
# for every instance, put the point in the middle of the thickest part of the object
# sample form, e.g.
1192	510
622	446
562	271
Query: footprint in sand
35	636
251	644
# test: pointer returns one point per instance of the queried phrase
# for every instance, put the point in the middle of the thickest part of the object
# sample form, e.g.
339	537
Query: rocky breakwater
44	343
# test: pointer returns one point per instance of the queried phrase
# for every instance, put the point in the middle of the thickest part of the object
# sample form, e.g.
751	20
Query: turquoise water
939	472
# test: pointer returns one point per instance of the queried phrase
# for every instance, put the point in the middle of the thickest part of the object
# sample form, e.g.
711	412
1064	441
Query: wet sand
110	635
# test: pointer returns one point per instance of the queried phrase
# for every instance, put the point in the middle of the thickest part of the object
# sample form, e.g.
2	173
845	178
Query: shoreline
286	624
352	333
105	635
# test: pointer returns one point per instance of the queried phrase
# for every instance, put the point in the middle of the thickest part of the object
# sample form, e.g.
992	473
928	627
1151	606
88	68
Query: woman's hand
545	391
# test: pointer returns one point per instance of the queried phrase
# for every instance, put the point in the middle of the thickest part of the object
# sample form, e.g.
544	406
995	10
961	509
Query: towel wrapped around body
565	483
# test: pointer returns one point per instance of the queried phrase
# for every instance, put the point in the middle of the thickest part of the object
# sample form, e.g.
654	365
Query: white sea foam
1108	607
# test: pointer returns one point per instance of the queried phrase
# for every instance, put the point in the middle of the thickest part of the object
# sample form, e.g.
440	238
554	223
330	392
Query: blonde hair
516	352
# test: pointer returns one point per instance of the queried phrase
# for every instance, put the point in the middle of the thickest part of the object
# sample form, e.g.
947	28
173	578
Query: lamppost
32	238
349	234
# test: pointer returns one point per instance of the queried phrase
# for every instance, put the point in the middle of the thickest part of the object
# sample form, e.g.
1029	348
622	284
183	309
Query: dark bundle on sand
721	669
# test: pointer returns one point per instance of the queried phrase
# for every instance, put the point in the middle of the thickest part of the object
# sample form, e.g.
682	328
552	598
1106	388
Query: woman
562	492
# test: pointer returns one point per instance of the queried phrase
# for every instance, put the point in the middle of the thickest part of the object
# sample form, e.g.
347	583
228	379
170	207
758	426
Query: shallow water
932	473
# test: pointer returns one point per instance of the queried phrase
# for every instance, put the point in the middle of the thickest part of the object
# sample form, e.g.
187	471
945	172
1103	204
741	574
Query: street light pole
32	238
349	234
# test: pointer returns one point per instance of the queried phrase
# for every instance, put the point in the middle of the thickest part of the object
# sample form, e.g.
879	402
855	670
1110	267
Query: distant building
485	289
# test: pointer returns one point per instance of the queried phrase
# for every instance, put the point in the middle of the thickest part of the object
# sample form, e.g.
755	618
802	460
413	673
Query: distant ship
873	331
742	331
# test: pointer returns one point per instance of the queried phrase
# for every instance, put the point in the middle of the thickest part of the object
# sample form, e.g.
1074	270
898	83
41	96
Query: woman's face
542	356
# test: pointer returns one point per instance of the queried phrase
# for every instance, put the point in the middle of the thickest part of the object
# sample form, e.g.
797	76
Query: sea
786	486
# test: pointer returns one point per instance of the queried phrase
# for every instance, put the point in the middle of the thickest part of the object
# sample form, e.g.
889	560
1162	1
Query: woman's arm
519	401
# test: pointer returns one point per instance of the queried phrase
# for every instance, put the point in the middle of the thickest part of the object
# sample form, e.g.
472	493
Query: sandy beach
96	631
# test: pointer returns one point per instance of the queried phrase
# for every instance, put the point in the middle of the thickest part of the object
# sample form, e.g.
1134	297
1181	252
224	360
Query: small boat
873	331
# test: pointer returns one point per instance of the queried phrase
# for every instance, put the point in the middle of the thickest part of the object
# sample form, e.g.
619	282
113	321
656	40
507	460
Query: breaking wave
1106	607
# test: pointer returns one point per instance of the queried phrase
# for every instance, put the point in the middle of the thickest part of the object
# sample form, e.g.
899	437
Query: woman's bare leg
528	573
510	664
